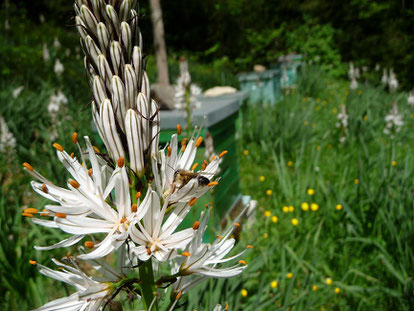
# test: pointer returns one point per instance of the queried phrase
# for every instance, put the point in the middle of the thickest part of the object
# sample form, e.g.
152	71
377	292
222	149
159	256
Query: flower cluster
7	140
353	74
342	123
185	91
131	200
394	121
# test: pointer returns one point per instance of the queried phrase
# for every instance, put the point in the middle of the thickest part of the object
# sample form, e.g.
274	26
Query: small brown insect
183	177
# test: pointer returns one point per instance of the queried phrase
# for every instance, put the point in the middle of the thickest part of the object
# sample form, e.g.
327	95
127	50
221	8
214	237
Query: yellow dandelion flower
338	207
328	281
311	191
269	192
365	117
314	207
291	209
315	288
262	178
337	290
394	163
356	181
285	209
295	221
266	235
267	213
305	206
274	284
246	152
244	293
289	275
275	219
290	163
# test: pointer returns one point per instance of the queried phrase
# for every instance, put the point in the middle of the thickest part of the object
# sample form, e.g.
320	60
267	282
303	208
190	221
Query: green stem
148	286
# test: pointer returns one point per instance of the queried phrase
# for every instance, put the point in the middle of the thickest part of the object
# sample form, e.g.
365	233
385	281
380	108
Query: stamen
31	210
168	151
45	189
194	166
212	158
179	295
90	172
223	154
121	162
196	225
96	149
137	195
219	237
123	220
27	215
192	201
199	141
249	246
134	208
204	165
72	155
60	215
75	137
58	147
33	262
206	205
236	224
28	167
186	254
184	142
89	244
242	262
178	129
45	213
227	306
213	183
183	148
148	251
74	183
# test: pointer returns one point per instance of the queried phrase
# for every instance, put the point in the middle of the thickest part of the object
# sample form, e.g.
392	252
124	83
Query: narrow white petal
65	243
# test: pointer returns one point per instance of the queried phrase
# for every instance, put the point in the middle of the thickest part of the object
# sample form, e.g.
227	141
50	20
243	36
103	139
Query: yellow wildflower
261	178
274	284
315	288
244	293
314	207
305	206
338	207
269	192
246	152
328	281
275	219
311	191
289	275
291	209
337	290
267	213
285	209
295	221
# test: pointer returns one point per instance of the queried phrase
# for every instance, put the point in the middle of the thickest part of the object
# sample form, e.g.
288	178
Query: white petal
65	243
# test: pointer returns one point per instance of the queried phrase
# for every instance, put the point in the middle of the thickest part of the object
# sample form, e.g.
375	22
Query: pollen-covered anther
223	153
45	189
89	244
137	195
148	251
121	162
213	183
212	158
196	225
199	141
236	224
74	183
192	201
178	129
45	213
168	151
33	262
183	148
204	165
27	215
134	208
249	246
60	215
123	220
227	306
58	147
219	237
28	167
90	171
242	262
75	137
194	166
186	254
178	295
72	155
184	142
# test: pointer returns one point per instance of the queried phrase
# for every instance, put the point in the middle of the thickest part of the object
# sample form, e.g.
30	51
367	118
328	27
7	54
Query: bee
183	177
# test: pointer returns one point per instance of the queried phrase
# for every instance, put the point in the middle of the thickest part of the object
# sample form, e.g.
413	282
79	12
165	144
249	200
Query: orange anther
178	295
74	183
75	137
242	262
212	158
45	189
134	208
192	201
148	251
184	142
90	172
223	153
227	306
58	147
89	244
213	183
28	166
204	165
194	166
183	148
237	224
44	214
196	225
219	237
121	162
72	155
123	220
27	215
249	246
186	254
168	151
137	195
178	129
96	149
32	262
30	210
60	215
199	141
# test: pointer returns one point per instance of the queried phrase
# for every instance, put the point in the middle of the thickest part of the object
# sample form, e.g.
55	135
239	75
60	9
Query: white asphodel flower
392	82
56	43
410	99
175	174
90	294
157	237
384	78
58	68
55	103
7	140
354	84
17	91
199	260
394	121
85	208
46	53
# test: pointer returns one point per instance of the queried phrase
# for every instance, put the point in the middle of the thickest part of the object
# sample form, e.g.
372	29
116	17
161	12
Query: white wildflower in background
351	71
185	90
7	140
410	99
41	18
56	43
129	201
58	68
353	75
16	92
46	53
55	104
377	67
342	123
354	84
394	121
384	78
392	82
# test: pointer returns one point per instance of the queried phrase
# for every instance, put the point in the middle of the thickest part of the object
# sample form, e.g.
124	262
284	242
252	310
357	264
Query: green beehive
262	86
218	116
